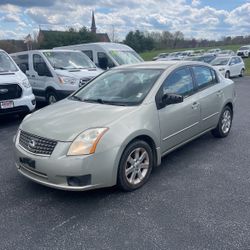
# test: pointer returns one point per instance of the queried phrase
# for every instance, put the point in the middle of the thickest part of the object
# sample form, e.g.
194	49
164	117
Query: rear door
210	96
179	122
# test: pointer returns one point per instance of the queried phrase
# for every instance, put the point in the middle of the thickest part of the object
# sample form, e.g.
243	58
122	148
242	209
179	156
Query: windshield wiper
57	67
74	97
101	101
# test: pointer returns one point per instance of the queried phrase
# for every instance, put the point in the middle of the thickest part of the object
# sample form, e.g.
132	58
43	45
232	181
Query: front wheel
242	73
135	166
51	97
224	125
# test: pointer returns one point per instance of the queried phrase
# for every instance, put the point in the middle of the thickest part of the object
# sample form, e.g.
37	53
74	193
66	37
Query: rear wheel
135	166
242	73
224	125
227	75
51	97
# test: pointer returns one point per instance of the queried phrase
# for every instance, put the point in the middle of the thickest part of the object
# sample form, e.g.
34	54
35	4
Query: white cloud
193	20
196	2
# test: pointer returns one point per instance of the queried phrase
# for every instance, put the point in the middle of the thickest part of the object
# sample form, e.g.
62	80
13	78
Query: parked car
213	51
244	51
107	55
226	52
198	52
174	56
229	66
55	74
15	91
119	126
207	58
161	55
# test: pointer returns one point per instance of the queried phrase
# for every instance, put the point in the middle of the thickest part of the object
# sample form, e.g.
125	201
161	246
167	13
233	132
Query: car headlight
86	142
67	80
25	83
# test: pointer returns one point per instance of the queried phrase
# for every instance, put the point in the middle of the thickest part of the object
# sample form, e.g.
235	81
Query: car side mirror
168	99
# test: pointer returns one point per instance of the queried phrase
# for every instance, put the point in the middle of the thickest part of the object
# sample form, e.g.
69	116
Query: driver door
179	122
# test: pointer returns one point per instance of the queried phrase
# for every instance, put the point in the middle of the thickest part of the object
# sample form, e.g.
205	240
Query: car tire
51	97
225	123
242	73
135	166
227	75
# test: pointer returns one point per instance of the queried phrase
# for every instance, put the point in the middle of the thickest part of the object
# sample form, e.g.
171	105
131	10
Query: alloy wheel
226	121
137	166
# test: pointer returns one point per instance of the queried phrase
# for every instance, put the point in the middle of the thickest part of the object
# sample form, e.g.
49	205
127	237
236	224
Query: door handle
219	93
195	105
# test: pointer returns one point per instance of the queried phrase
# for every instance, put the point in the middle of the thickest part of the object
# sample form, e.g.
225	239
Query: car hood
81	73
66	119
11	77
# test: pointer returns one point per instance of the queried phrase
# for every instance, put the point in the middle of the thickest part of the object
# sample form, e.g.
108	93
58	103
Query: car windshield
220	61
6	64
125	57
125	87
68	60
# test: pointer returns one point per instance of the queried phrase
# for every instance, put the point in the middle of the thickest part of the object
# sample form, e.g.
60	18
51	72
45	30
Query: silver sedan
119	126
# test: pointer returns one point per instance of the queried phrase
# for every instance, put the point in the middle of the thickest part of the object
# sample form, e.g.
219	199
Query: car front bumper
96	170
24	104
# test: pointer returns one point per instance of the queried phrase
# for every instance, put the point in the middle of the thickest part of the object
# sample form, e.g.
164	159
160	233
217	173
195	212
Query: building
102	37
45	35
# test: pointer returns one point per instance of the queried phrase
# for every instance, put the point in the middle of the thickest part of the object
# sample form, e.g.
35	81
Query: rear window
204	76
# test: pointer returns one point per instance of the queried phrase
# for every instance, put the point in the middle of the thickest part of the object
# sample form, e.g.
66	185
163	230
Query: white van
15	91
55	74
107	55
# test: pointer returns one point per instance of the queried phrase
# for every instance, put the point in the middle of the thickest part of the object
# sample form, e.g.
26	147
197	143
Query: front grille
10	91
240	54
36	144
84	81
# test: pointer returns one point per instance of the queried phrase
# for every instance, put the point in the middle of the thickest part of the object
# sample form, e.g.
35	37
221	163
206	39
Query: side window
40	66
179	82
203	76
233	61
22	61
238	60
104	61
88	53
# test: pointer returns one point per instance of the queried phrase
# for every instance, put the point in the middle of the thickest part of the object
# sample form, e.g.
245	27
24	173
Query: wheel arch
147	137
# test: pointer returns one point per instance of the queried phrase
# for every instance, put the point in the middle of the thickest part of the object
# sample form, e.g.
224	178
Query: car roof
45	50
161	64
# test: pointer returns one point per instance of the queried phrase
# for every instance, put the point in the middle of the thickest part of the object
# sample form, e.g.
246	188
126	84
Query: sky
210	19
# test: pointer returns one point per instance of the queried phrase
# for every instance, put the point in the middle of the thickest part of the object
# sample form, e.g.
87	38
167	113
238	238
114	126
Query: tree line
138	40
146	41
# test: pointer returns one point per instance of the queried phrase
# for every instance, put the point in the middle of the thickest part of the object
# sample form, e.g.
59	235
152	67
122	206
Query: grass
147	56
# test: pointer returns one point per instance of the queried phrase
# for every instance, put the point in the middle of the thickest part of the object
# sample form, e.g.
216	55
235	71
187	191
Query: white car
214	51
107	55
55	74
244	51
15	91
226	52
229	66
